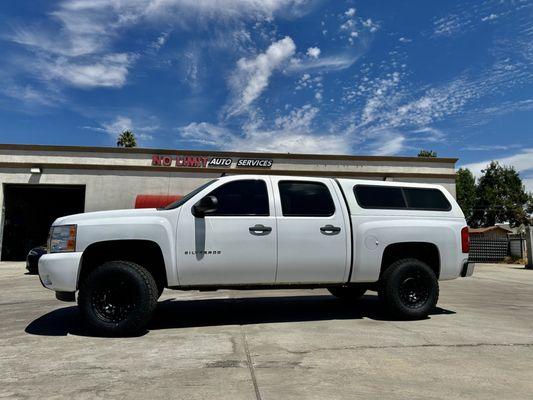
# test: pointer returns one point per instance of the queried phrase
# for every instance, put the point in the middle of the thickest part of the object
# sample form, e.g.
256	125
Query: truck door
312	233
236	244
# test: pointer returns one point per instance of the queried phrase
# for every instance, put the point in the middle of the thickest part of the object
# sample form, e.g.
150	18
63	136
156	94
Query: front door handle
260	229
330	229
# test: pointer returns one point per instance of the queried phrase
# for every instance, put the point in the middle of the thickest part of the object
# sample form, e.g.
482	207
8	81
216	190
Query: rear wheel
118	298
347	293
409	289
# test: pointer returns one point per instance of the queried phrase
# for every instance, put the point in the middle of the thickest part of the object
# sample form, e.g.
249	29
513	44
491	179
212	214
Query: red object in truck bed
154	200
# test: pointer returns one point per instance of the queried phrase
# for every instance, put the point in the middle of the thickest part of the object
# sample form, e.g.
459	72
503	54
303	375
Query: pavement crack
428	345
250	364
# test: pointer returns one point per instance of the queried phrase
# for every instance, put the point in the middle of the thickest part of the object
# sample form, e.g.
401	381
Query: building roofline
233	171
138	150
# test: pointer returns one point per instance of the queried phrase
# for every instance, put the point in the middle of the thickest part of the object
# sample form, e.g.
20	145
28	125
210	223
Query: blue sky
352	77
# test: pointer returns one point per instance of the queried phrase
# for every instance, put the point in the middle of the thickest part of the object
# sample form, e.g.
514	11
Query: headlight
62	239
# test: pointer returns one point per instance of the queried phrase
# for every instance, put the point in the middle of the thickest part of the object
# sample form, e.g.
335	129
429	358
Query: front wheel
409	289
118	298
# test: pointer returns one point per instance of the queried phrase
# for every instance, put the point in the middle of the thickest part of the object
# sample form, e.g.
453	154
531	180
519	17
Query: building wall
107	190
290	164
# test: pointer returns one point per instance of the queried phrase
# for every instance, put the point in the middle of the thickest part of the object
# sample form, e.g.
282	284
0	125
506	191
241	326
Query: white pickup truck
261	232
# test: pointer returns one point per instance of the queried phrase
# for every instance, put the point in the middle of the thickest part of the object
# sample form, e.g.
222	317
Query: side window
426	199
241	198
305	199
379	196
390	197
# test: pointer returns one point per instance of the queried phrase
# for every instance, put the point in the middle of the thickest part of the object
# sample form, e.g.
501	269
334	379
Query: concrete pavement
287	344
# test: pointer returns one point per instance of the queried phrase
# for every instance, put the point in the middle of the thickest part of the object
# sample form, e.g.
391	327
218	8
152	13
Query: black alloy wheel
414	291
113	300
117	298
409	289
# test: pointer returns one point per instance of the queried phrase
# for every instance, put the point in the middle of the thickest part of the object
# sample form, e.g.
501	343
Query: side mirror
204	206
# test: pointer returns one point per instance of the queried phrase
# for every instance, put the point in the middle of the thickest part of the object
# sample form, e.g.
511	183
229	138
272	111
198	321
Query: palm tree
126	139
427	153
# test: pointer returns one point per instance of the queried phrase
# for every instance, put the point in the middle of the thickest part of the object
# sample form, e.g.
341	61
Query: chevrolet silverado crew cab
261	232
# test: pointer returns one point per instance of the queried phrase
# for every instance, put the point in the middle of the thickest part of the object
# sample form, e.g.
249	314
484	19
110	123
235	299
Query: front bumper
468	269
59	271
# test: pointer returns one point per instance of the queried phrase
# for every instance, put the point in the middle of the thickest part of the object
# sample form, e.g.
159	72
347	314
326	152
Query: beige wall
107	190
280	163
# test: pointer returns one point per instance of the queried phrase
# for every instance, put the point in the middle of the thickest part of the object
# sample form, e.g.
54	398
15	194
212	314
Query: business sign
180	161
207	162
219	162
254	163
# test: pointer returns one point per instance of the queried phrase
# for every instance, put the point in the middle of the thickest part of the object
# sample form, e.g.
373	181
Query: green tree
465	185
427	153
126	139
500	197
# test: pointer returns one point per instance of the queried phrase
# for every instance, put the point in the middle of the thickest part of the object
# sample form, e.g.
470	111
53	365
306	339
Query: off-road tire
409	289
117	298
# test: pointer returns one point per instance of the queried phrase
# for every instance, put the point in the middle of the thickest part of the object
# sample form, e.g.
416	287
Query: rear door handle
330	229
260	229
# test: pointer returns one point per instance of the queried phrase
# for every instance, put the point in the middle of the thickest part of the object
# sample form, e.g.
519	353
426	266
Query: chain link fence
495	249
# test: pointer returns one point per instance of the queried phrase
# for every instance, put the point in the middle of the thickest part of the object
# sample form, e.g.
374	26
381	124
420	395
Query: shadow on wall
172	314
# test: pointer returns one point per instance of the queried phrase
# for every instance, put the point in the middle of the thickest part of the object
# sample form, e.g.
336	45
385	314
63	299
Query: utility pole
529	247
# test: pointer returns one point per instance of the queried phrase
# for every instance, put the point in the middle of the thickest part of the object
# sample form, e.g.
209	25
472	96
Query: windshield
185	198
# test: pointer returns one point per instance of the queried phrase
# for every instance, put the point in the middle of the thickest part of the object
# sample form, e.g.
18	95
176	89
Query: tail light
465	240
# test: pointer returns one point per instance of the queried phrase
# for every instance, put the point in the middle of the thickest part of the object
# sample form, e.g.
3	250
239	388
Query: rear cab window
305	199
400	198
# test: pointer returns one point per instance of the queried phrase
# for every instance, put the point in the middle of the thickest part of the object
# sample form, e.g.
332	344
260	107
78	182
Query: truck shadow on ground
175	313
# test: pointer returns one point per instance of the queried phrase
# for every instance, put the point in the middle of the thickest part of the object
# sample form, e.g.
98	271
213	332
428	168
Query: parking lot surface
286	344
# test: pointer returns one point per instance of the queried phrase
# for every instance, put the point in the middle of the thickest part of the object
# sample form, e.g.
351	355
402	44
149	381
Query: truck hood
99	215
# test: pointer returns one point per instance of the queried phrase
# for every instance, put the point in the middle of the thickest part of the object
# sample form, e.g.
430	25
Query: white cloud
110	71
122	123
331	63
490	147
229	9
252	75
160	41
404	40
385	143
348	25
427	134
308	82
371	25
313	52
380	98
522	162
119	125
350	12
30	95
291	133
206	134
76	42
489	17
465	17
390	106
449	25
